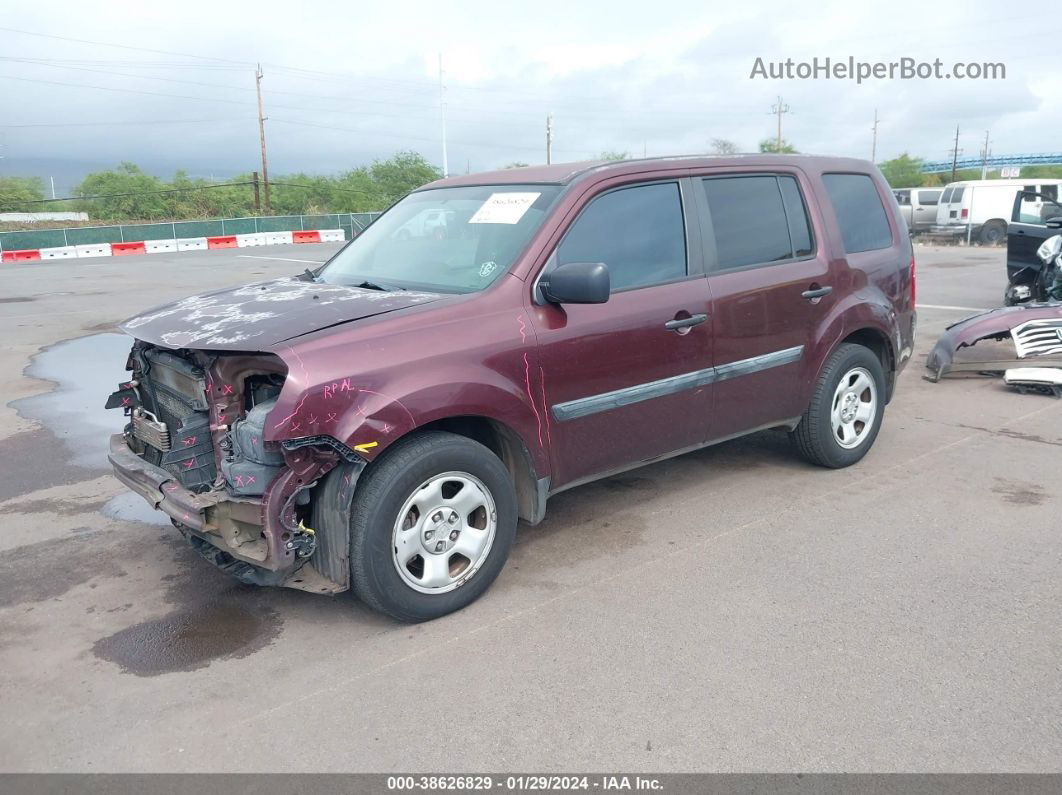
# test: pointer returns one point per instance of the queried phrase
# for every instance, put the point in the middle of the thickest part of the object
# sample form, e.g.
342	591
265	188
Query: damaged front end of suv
231	448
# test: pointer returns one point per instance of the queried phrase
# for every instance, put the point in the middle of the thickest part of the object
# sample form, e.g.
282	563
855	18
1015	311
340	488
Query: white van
984	206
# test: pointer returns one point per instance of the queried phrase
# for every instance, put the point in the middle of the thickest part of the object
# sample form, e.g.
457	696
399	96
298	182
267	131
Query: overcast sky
348	82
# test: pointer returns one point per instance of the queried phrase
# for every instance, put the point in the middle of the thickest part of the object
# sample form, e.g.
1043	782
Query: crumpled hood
259	315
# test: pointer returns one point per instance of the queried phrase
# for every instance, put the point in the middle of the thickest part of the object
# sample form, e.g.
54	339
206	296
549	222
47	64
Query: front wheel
433	522
844	416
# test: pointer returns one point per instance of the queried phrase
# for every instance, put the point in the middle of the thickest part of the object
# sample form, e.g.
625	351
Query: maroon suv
382	424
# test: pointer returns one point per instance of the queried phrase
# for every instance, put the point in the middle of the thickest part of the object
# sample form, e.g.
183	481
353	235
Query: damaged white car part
1042	380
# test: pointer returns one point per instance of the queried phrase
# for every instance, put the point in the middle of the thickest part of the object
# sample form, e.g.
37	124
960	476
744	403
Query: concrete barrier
332	235
93	250
306	236
61	252
252	239
159	246
22	255
278	238
125	249
191	244
224	241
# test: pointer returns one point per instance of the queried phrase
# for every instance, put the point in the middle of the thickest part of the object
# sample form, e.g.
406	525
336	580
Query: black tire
814	437
993	233
379	497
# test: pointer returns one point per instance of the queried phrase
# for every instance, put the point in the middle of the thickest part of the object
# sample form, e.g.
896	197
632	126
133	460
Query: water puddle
86	370
131	507
189	639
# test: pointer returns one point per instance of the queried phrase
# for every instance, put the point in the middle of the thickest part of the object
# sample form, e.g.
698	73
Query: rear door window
638	232
946	198
859	211
956	194
757	219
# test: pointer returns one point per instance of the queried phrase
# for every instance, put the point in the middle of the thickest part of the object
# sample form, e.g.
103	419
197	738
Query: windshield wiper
374	286
309	275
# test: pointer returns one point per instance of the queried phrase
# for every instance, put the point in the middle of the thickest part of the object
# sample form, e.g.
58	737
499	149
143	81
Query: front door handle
816	292
685	322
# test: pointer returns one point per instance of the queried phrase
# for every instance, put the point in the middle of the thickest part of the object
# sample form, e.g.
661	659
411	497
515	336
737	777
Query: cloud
345	84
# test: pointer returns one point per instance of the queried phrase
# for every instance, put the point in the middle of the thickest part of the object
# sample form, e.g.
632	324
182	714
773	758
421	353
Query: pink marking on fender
250	480
188	441
399	403
545	405
312	419
239	481
345	386
227	389
387	428
531	397
189	463
523	328
170	487
295	426
125	401
331	417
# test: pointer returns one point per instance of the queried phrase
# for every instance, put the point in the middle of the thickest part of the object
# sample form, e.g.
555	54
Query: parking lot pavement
732	609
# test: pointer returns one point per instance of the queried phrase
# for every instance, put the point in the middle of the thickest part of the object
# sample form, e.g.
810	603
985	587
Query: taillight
965	213
911	269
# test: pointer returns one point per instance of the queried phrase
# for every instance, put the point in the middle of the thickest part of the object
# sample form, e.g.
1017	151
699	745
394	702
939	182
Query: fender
370	411
856	312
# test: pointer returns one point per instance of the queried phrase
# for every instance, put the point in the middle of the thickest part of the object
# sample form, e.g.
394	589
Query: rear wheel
993	233
433	523
844	416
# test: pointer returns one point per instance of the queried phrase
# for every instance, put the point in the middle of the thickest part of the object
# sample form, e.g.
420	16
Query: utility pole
549	138
442	114
984	158
52	180
955	153
874	141
257	198
261	136
778	110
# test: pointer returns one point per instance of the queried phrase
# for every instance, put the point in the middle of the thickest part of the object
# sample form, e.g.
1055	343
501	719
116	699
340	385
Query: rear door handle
685	322
816	292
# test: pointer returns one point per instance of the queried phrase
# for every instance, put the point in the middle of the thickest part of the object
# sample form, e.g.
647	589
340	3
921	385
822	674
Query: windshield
451	240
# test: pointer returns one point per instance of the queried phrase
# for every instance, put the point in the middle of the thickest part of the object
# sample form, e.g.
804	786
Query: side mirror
577	283
1053	223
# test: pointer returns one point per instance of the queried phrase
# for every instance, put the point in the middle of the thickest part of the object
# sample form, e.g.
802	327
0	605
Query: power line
181	190
117	123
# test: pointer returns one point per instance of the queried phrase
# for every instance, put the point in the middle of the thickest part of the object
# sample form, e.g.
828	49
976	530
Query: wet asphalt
728	610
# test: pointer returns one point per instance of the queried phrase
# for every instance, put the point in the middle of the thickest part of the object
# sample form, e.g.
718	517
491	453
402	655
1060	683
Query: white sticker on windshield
504	208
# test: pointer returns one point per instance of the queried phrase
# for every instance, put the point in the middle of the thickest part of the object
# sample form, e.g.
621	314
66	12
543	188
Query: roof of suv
565	173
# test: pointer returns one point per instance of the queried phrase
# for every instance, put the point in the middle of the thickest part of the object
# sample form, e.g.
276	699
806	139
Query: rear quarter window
860	213
928	197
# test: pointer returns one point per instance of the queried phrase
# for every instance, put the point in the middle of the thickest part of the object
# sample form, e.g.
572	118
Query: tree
770	146
613	155
903	171
128	192
16	191
405	171
721	146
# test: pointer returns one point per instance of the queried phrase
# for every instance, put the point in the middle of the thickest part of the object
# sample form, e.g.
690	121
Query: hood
260	315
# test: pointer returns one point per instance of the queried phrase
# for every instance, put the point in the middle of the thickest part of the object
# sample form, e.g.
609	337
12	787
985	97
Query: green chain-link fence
351	223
